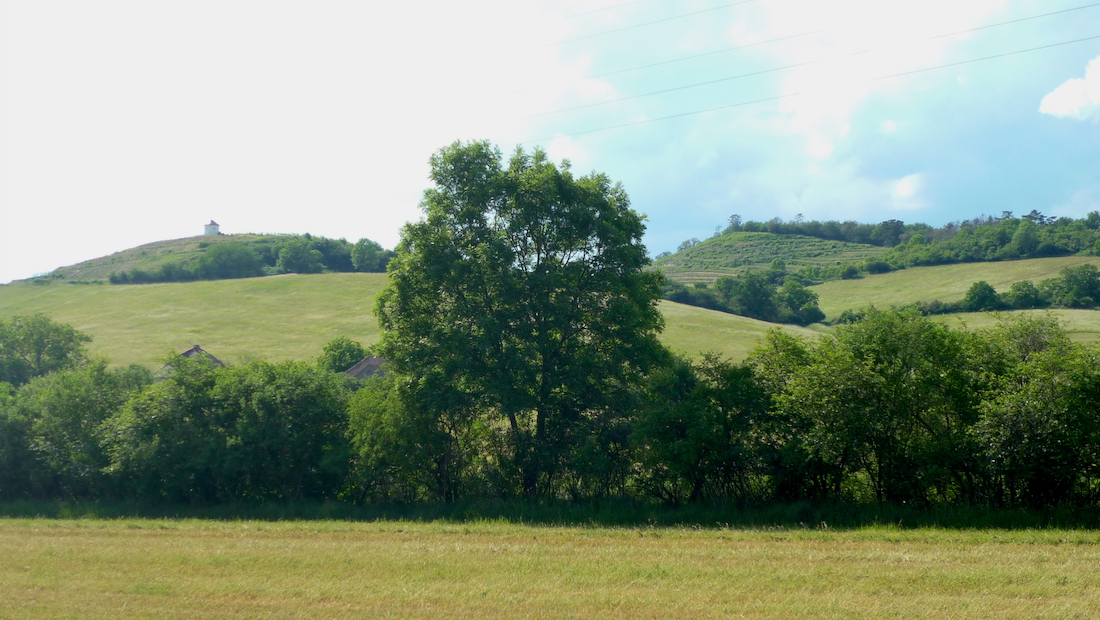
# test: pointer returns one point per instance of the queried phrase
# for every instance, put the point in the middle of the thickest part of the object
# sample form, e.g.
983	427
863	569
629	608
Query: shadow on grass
606	513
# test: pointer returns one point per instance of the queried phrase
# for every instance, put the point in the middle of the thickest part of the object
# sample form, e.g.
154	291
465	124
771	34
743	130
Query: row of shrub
773	295
894	409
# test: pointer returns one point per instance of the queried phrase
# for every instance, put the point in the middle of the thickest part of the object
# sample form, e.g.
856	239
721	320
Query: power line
704	54
1014	21
793	66
650	23
802	34
795	94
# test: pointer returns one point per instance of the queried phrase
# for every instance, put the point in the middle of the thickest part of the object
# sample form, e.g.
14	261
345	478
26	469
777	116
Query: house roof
367	367
212	223
197	352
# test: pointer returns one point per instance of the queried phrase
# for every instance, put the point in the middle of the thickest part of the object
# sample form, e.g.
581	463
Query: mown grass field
330	569
943	282
283	317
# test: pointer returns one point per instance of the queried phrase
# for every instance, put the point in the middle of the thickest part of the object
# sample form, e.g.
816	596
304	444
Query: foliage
1039	427
369	256
256	432
401	451
33	346
892	409
753	294
694	438
980	297
254	256
226	261
63	412
521	299
299	256
340	354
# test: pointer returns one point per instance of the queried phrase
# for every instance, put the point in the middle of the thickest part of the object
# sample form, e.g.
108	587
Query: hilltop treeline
981	239
893	408
266	256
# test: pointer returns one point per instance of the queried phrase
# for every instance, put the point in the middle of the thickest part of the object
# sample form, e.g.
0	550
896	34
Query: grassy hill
735	252
943	282
284	317
151	256
949	283
1082	325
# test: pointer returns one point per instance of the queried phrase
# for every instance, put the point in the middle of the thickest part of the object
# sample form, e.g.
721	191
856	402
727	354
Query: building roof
212	223
196	352
367	367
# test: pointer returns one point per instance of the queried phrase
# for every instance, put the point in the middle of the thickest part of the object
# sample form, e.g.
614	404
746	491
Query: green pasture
943	282
283	317
392	569
691	330
272	318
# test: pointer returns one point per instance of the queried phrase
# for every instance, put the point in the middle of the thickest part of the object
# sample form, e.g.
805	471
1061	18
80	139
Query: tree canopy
32	346
521	296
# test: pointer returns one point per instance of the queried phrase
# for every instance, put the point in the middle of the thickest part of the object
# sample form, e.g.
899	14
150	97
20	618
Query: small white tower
211	228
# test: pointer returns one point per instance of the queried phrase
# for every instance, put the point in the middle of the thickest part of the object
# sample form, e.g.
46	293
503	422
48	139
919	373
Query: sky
124	122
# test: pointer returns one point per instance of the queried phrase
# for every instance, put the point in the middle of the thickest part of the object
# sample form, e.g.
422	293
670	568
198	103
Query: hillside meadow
284	317
217	569
942	282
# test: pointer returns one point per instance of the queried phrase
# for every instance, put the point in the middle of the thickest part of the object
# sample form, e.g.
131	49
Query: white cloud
1079	204
860	40
907	186
818	146
564	147
1078	98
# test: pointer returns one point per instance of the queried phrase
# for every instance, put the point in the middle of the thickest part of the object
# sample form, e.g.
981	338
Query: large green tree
520	300
32	346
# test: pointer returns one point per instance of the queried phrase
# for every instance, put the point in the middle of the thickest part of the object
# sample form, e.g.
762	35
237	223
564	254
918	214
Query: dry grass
187	569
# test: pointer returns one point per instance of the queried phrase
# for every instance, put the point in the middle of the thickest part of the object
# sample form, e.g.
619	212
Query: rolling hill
735	252
284	317
151	256
293	316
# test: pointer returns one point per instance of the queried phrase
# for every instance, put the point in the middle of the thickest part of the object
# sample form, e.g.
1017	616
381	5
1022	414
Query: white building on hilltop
211	228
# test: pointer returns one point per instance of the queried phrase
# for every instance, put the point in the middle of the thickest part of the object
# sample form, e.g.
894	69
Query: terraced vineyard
735	252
